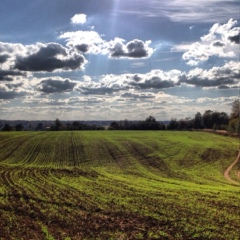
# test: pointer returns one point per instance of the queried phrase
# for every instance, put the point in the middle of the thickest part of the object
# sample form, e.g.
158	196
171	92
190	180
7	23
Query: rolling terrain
118	185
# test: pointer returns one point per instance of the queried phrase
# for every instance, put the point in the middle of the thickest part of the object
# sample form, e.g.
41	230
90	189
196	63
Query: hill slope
127	185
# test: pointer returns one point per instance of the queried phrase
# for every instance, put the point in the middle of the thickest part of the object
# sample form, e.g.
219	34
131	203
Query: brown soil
226	173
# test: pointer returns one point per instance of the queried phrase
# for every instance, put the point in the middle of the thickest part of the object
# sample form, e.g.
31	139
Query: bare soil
226	173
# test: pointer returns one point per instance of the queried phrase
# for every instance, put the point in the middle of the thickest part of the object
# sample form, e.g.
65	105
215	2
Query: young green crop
117	184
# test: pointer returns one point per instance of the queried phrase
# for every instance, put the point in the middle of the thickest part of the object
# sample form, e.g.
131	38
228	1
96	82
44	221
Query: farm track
228	170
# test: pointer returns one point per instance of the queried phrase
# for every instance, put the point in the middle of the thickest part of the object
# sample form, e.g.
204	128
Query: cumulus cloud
16	88
130	95
156	79
234	38
7	75
221	41
109	84
7	94
225	76
3	58
56	85
82	47
79	18
92	42
9	51
155	82
133	49
49	57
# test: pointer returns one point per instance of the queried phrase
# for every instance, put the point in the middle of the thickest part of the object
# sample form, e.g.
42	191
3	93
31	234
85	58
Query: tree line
208	120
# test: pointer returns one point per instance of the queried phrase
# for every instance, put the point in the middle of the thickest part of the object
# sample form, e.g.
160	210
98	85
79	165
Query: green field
118	185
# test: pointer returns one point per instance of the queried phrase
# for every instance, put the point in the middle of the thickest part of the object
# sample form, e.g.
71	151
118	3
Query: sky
117	59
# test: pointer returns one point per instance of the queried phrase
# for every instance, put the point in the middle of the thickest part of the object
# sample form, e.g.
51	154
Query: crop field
118	185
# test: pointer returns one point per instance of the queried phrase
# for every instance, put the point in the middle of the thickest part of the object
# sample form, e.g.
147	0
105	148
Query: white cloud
133	49
40	57
227	75
221	41
79	18
92	42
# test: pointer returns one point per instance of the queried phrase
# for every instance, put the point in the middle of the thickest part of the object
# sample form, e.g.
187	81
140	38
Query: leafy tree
114	126
198	121
7	127
173	124
207	119
235	109
19	127
39	127
150	119
234	125
58	124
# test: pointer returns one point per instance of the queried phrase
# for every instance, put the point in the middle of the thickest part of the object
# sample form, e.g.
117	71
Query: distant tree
150	119
207	119
173	125
223	120
234	121
233	125
235	109
198	121
39	127
7	127
57	125
215	120
114	126
19	127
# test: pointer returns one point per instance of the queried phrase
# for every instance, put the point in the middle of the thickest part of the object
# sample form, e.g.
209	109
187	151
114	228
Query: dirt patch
227	172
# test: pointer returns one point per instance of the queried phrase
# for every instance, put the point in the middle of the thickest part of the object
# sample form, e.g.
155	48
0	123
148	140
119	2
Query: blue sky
117	59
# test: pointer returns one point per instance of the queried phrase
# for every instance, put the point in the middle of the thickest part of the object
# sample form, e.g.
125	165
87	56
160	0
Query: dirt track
226	173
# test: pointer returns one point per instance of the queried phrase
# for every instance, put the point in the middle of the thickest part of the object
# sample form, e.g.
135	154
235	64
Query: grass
117	185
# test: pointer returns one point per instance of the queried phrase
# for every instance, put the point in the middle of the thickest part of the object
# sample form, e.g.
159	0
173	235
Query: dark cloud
117	50
7	95
206	82
82	48
223	87
7	75
154	83
136	49
98	90
3	58
218	44
46	59
133	49
13	85
52	86
234	39
136	78
137	96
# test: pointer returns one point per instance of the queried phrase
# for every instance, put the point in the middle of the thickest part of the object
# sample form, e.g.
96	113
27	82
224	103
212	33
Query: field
118	185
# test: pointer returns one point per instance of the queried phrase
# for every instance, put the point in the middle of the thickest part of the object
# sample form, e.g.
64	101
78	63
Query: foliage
149	124
7	127
235	109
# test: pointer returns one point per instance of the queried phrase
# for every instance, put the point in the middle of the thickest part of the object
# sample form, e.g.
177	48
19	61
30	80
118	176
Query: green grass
117	185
